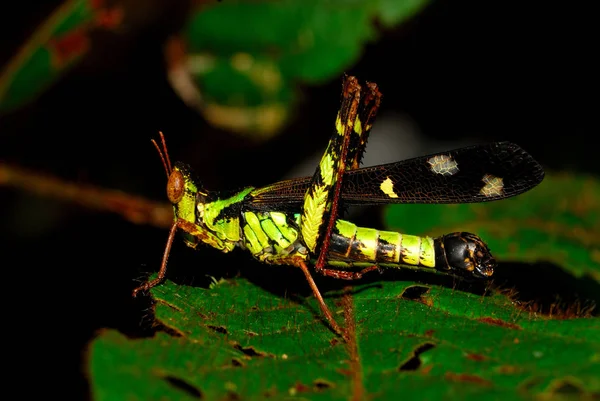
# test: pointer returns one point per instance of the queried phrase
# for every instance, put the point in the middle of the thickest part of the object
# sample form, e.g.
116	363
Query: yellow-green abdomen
350	243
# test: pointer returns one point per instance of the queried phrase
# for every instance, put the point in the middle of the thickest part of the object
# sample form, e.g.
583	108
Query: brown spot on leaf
429	333
301	388
499	322
467	378
476	357
508	369
426	369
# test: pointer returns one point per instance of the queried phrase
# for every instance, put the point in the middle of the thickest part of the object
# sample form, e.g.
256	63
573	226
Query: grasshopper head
187	199
182	190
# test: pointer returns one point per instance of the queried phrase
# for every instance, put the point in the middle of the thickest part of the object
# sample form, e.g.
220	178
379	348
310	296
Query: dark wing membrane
473	174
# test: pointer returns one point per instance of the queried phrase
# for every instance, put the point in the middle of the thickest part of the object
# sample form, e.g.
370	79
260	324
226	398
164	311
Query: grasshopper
296	221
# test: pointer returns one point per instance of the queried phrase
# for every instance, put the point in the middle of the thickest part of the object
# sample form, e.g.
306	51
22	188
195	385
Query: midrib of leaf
358	388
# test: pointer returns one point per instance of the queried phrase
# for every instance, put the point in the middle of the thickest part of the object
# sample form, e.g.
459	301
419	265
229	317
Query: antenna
164	154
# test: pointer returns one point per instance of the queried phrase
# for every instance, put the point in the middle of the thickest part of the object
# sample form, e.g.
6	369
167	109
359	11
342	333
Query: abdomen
463	254
350	243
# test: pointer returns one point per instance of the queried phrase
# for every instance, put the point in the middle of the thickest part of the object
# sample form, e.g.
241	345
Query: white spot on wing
443	164
493	186
387	186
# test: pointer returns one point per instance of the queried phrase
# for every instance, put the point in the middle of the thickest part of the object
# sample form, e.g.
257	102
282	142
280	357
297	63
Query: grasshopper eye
175	186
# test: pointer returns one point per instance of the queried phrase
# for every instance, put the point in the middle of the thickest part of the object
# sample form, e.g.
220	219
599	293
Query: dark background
476	70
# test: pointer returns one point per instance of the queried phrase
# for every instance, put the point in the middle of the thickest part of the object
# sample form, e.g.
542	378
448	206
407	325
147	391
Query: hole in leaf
321	384
566	388
415	360
183	385
236	362
415	292
218	329
249	351
418	293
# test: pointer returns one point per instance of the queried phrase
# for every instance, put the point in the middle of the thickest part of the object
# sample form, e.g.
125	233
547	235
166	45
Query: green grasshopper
295	222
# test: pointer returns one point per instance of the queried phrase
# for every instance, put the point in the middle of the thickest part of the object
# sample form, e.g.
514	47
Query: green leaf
253	55
411	336
310	40
238	340
245	57
54	48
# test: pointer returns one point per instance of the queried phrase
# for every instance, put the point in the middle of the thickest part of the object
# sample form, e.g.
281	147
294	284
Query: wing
473	174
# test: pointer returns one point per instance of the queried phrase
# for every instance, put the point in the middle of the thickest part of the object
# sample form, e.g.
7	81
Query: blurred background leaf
55	47
236	62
